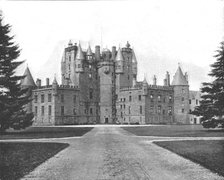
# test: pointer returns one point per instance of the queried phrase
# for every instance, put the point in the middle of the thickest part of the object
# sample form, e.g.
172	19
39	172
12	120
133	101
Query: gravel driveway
109	152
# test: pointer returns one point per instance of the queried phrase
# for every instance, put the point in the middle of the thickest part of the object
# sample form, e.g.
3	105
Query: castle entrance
106	120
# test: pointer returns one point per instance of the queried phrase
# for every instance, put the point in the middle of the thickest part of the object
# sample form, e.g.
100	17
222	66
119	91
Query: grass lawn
209	154
46	132
175	131
18	159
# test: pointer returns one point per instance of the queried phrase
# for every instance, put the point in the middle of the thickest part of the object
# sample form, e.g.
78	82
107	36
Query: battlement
130	88
159	87
58	86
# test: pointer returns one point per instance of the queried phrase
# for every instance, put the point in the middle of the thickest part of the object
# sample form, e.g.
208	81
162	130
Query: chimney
113	52
47	81
168	78
38	83
154	80
97	52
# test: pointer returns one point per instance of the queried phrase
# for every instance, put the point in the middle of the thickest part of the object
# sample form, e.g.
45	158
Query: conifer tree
13	97
212	104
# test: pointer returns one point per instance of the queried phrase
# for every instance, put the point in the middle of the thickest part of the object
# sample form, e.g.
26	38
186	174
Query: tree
212	104
13	97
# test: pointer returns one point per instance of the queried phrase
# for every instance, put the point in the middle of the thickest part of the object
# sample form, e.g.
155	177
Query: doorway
106	120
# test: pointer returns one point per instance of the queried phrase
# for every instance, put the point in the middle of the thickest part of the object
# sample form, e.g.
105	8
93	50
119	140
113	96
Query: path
107	153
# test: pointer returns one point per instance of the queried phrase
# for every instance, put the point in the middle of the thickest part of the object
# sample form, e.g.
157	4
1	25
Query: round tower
181	98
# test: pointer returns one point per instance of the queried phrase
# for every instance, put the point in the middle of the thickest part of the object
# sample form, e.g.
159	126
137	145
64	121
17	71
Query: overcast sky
162	32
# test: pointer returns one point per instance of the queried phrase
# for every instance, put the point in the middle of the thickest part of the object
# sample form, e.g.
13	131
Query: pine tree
212	104
13	97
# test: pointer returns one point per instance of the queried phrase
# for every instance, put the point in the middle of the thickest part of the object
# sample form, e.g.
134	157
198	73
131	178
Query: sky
163	33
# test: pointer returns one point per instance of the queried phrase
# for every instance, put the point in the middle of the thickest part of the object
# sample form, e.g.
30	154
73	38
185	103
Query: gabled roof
179	78
28	80
134	60
119	56
79	54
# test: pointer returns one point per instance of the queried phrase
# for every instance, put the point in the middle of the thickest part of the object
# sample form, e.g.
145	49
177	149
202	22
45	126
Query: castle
101	87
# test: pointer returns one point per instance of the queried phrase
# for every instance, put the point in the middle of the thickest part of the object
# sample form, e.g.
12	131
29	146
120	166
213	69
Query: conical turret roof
179	78
134	60
119	56
28	80
79	54
89	51
55	81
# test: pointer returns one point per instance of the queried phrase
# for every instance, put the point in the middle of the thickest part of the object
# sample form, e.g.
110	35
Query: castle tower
107	87
29	83
181	98
126	67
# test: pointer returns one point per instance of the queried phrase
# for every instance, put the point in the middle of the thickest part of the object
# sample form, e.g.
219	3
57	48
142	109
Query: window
91	93
35	111
49	110
49	97
121	106
124	99
122	114
164	112
182	98
159	98
74	111
130	98
35	98
151	97
62	110
189	101
62	98
164	99
182	110
140	109
170	110
74	99
124	106
151	110
139	97
42	98
196	102
170	99
159	110
91	111
129	109
90	75
42	110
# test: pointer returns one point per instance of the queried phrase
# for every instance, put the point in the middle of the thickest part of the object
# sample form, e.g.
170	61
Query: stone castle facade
101	87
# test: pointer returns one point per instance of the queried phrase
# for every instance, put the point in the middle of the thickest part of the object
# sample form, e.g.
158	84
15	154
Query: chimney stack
97	52
168	78
47	81
38	83
113	52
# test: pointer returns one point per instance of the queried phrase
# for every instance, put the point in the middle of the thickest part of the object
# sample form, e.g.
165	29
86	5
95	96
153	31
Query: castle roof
89	51
79	54
119	56
28	80
179	78
134	60
55	81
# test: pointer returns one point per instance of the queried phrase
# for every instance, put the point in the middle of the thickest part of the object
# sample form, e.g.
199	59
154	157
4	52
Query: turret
89	54
79	60
119	62
154	80
181	96
28	81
